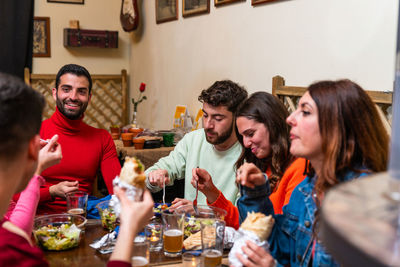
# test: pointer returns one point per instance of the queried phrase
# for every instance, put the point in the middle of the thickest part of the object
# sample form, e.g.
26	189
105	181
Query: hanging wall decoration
195	7
41	37
166	10
256	2
81	2
223	2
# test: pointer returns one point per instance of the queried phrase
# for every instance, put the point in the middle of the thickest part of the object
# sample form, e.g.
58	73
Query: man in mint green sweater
211	151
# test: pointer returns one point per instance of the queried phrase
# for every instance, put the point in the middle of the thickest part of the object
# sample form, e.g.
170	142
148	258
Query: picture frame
224	2
257	2
166	10
195	7
79	2
41	37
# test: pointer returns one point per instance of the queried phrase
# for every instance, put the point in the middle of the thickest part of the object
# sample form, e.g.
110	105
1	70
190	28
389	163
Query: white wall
93	15
301	40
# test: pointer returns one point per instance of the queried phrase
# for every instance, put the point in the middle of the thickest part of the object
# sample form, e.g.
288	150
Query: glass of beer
172	233
140	252
77	202
212	241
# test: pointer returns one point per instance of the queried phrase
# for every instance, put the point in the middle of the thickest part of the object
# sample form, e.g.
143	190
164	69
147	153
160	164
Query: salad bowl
59	231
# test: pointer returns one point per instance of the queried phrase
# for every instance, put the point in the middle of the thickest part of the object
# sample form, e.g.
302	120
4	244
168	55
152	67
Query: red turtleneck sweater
85	150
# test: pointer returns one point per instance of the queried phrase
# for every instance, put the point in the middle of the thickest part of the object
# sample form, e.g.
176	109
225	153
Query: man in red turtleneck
85	149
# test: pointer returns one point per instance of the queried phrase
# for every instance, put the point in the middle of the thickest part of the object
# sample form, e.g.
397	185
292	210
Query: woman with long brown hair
262	131
337	129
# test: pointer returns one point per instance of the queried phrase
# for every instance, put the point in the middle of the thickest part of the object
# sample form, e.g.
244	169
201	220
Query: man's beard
72	115
220	138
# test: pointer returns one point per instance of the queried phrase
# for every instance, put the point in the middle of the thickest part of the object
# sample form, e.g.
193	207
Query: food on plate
193	242
58	237
258	223
108	219
133	172
158	208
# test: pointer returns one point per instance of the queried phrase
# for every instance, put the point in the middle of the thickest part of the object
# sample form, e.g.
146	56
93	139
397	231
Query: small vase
134	120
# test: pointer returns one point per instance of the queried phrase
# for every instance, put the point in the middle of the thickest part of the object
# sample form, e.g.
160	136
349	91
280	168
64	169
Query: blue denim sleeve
254	199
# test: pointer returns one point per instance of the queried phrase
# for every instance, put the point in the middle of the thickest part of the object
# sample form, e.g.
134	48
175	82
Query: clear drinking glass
77	202
172	233
154	234
212	241
140	252
192	259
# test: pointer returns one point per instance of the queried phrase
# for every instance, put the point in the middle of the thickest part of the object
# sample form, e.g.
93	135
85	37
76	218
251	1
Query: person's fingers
176	200
251	255
244	260
122	197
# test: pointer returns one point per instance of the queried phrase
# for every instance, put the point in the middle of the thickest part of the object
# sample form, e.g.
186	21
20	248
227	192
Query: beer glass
172	233
212	241
77	202
192	259
140	252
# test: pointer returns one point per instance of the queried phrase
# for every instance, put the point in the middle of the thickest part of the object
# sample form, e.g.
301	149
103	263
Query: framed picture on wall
223	2
81	2
195	7
166	10
256	2
41	37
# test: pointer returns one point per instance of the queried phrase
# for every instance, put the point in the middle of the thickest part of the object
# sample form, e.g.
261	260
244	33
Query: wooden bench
290	96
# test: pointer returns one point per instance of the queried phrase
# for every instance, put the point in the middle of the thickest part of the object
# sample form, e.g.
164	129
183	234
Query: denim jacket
291	240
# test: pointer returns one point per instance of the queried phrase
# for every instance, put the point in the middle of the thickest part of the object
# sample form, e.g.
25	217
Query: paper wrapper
132	192
241	237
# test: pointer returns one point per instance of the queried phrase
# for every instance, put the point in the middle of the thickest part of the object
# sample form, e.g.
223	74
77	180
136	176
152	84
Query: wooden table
360	224
84	255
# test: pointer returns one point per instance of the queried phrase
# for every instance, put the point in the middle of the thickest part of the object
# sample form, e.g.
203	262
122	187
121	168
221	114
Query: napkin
241	237
132	192
106	244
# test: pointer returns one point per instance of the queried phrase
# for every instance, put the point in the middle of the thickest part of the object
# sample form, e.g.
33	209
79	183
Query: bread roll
133	172
258	223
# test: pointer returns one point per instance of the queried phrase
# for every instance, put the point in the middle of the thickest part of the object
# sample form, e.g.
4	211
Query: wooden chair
109	103
290	96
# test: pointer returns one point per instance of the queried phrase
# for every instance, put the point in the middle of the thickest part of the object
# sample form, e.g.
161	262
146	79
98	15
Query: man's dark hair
224	93
76	70
20	115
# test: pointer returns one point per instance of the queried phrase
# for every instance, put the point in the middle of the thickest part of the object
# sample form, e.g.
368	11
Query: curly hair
224	93
265	108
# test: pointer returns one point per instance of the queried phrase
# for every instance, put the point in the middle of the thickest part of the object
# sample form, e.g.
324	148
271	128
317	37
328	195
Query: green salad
192	225
61	237
108	219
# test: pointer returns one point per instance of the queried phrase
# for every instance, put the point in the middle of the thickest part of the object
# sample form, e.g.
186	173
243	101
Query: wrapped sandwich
256	227
132	173
132	179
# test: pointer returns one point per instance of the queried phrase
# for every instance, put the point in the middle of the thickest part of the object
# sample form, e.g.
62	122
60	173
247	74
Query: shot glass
192	259
212	241
140	252
77	202
154	235
172	233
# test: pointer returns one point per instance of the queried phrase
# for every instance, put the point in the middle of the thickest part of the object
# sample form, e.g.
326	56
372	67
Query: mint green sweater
194	151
